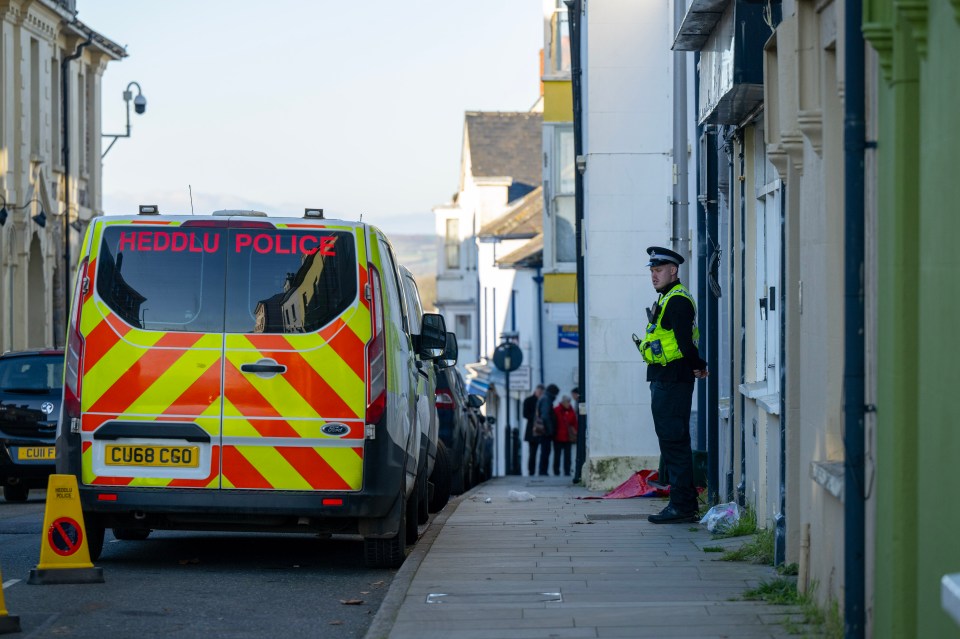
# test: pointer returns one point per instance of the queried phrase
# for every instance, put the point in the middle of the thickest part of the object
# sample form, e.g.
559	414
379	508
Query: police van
240	372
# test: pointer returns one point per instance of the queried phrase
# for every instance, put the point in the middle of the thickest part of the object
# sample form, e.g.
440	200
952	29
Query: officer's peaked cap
659	256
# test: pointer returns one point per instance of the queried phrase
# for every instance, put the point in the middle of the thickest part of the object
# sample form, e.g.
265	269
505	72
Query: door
294	364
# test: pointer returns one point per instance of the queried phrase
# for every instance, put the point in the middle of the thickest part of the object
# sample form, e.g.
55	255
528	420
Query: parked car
31	384
485	445
458	430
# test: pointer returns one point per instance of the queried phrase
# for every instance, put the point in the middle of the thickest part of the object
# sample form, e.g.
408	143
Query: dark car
484	447
31	385
458	430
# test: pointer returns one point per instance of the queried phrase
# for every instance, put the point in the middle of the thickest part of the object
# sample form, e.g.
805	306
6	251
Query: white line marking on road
10	582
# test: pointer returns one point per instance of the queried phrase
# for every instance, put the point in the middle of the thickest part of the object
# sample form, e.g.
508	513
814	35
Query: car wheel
18	493
131	534
95	532
440	478
387	553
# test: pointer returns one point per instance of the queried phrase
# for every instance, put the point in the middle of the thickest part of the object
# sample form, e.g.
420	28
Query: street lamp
40	219
139	105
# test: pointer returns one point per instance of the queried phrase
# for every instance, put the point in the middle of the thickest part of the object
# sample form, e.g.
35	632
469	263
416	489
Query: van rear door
294	360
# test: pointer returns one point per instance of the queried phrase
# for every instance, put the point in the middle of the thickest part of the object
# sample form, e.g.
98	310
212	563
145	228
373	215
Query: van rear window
235	280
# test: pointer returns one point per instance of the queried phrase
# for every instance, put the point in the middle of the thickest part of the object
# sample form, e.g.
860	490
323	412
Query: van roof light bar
149	209
315	213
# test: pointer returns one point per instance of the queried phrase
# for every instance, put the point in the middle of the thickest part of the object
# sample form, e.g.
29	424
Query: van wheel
18	493
412	515
387	553
131	534
440	478
95	532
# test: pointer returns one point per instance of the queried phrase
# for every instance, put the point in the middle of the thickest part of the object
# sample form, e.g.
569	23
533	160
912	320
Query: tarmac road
194	585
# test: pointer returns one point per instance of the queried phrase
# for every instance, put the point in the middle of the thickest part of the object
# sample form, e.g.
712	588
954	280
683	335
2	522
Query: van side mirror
474	401
433	336
450	352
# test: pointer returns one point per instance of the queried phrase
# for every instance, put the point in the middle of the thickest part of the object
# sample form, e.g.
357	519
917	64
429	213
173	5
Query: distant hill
419	254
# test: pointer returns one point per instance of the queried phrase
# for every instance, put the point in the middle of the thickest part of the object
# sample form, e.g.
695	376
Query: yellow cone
8	622
64	555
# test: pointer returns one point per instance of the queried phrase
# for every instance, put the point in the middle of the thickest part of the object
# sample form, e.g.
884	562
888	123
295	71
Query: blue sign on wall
568	336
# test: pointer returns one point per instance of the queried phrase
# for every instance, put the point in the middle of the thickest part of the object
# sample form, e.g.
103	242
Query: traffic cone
64	555
8	623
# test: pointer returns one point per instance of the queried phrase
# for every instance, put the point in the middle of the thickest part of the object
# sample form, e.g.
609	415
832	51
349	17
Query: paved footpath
559	566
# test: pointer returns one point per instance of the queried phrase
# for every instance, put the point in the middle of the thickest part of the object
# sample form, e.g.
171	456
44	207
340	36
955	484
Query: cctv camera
140	104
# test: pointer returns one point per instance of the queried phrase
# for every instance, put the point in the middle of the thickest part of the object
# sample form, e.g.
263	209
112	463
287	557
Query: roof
527	256
506	145
524	219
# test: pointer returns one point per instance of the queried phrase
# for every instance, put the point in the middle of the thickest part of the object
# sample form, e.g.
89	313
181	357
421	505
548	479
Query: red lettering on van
128	240
326	245
243	240
179	241
145	241
213	245
303	244
161	241
263	243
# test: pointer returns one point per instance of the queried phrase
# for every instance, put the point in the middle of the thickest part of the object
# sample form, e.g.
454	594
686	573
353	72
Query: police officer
669	347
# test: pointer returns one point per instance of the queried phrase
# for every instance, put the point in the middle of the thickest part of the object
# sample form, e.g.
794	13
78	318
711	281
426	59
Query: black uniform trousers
671	419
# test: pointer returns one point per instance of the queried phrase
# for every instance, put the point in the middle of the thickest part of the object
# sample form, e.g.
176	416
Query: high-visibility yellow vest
659	346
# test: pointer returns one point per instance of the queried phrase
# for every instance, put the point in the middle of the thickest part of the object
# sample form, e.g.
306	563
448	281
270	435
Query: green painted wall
918	455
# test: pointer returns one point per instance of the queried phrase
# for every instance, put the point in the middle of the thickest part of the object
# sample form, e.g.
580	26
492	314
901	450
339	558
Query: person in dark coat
549	420
529	414
669	348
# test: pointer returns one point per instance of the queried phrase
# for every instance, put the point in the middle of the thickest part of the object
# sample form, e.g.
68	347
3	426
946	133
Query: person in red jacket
566	435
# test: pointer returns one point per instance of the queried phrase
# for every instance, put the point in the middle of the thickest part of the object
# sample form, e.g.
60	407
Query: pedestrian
533	442
547	420
575	399
565	436
669	347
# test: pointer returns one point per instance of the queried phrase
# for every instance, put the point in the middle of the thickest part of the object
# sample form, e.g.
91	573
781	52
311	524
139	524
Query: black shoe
671	515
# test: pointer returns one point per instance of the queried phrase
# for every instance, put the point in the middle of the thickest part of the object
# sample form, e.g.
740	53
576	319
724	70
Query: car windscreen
31	374
235	280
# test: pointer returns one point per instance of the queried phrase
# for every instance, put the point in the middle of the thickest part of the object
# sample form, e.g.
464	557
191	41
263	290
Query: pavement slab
567	565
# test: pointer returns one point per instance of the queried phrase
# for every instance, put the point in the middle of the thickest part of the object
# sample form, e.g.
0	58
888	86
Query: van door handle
264	366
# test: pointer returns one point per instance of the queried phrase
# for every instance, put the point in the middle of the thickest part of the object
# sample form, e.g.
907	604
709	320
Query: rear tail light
75	345
376	353
445	400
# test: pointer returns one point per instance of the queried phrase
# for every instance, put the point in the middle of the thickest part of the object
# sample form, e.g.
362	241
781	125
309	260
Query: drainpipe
64	92
680	240
729	146
539	281
742	485
854	134
573	17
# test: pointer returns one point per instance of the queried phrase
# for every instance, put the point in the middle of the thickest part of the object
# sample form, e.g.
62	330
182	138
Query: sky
355	107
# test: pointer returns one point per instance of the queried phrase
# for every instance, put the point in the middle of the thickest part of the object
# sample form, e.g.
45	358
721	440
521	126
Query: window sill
830	475
757	391
753	390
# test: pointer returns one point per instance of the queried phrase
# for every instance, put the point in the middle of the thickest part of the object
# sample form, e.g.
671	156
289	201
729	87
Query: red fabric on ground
636	486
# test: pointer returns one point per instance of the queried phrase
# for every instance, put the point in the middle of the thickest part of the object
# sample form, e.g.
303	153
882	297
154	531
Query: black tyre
95	532
131	534
440	478
458	474
387	553
16	493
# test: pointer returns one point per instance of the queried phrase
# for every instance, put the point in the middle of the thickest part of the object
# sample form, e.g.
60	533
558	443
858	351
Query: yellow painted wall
557	101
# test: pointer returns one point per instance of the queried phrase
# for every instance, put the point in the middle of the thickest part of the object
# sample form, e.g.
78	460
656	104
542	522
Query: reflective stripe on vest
659	345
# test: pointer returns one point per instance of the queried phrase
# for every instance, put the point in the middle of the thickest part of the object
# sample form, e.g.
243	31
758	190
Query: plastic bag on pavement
519	495
722	517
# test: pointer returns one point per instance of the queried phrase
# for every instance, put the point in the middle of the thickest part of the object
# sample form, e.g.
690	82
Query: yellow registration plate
162	456
31	453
